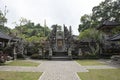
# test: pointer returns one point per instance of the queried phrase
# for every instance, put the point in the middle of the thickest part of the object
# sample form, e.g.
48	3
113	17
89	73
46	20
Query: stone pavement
57	70
61	70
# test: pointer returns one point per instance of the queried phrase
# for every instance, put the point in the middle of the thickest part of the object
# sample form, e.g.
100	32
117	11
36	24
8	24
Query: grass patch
21	63
89	62
100	74
5	75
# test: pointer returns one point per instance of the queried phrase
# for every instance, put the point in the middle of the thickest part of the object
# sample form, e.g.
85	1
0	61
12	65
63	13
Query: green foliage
106	10
57	26
35	56
85	22
3	20
116	30
29	31
5	29
32	33
91	34
33	39
109	9
94	49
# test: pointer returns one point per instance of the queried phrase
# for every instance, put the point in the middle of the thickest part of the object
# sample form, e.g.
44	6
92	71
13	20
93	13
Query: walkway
61	70
57	70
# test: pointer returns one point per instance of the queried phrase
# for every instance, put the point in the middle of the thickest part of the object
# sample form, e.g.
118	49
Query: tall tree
30	31
85	22
57	26
91	34
3	20
108	9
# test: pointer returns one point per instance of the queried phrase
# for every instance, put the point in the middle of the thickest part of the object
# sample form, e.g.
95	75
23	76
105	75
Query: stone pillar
40	51
15	54
79	52
50	52
25	51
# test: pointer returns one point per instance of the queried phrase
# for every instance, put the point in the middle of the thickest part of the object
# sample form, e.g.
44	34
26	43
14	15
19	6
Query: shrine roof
108	24
4	36
115	38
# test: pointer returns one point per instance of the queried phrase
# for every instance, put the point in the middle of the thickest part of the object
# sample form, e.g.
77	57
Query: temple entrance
59	49
59	44
59	54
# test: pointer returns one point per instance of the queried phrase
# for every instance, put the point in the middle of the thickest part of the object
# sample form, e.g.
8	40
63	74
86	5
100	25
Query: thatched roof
115	38
108	24
4	36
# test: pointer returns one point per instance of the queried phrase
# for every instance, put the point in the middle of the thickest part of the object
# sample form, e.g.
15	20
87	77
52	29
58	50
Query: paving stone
57	70
61	70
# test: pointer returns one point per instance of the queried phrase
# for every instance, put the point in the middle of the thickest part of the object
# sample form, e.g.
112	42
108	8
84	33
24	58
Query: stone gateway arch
59	44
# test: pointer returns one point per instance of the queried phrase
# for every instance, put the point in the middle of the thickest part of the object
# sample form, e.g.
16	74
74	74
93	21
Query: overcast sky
60	12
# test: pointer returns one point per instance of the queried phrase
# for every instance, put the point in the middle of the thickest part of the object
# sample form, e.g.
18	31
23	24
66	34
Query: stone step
60	58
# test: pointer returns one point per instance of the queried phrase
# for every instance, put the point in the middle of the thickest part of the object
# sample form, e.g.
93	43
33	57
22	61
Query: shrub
20	56
35	56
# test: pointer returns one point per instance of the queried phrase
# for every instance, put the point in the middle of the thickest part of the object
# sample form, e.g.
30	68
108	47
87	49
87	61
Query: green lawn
100	74
89	62
4	75
21	63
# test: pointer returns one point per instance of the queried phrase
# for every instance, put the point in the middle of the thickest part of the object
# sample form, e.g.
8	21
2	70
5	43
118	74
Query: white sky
60	12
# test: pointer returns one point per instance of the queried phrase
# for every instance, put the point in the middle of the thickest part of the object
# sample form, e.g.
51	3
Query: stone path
61	70
57	70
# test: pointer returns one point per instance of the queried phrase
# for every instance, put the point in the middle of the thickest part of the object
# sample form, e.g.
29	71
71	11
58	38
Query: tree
21	25
29	31
106	10
58	27
91	34
85	22
3	20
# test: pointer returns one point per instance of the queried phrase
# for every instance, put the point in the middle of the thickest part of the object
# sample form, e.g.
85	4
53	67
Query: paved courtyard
61	70
56	70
